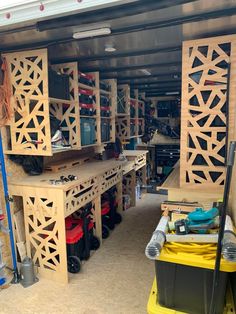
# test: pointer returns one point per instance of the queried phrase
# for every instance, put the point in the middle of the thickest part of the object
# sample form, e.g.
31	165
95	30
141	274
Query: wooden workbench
175	193
138	170
46	206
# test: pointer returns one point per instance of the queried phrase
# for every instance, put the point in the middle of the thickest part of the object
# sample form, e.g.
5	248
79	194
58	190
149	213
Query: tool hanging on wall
223	210
8	210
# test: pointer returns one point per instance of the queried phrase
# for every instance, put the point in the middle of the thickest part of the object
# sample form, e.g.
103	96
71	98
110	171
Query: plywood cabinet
29	131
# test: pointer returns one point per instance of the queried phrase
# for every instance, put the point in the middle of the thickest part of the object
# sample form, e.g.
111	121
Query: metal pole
8	210
216	276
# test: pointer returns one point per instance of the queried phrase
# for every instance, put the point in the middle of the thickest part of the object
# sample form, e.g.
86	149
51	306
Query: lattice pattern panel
123	128
205	111
141	175
140	161
81	195
29	73
42	236
30	127
110	178
68	114
128	186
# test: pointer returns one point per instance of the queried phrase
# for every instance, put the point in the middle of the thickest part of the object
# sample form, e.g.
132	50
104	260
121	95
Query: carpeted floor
116	280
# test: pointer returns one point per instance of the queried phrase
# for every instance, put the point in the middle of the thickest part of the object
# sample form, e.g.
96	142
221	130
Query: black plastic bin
58	85
188	289
105	130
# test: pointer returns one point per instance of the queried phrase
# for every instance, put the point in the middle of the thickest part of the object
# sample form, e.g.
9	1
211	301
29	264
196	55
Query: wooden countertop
134	153
83	172
145	146
172	182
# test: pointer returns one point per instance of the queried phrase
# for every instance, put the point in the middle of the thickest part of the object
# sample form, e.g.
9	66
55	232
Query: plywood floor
116	279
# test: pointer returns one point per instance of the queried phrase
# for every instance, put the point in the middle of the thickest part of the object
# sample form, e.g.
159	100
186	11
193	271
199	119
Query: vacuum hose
229	241
155	245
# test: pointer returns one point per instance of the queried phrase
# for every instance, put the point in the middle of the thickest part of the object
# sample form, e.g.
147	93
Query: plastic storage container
80	239
153	306
132	112
140	128
105	86
185	281
132	128
88	131
86	79
105	130
58	85
140	111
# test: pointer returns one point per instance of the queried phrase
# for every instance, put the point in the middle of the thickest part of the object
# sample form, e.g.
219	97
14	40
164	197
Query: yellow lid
194	254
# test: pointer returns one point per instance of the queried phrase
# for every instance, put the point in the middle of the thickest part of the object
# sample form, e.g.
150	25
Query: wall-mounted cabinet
56	108
123	113
108	105
136	115
130	113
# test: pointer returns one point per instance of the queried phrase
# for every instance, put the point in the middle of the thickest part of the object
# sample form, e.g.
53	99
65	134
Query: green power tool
198	221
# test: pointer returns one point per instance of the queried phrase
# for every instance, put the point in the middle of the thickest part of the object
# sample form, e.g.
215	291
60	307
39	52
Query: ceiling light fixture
146	72
172	93
92	33
110	48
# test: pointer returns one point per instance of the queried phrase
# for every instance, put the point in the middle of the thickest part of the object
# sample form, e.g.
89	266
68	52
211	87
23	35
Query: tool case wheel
118	218
73	264
95	243
105	232
107	221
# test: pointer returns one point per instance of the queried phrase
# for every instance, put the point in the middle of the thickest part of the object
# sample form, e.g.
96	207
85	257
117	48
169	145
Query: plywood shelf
61	149
34	125
102	91
83	86
61	101
93	117
122	114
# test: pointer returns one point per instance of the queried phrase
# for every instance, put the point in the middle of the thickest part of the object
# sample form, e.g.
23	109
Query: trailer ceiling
149	40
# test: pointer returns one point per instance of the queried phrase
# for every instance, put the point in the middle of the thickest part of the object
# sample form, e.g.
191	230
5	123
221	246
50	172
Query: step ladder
9	219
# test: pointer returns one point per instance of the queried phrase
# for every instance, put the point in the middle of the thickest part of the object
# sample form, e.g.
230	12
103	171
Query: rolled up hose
155	245
229	241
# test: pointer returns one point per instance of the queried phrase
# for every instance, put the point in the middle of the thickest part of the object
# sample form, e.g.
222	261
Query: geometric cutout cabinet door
207	111
30	128
29	123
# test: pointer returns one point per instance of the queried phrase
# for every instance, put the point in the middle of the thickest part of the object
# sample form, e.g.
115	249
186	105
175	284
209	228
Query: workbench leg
45	233
119	197
129	186
144	175
97	216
